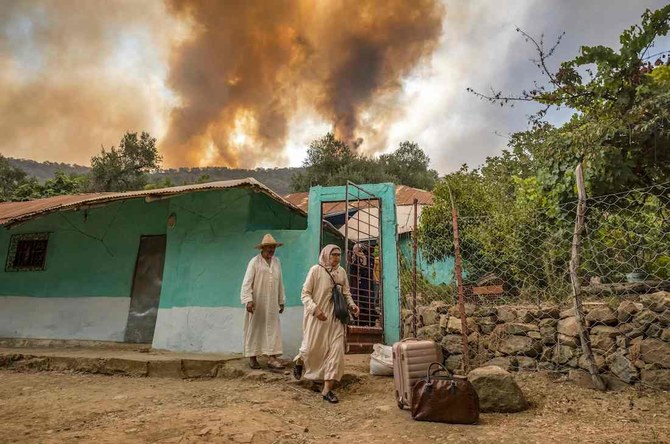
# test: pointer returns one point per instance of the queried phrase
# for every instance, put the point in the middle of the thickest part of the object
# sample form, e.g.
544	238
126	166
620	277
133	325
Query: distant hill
277	179
46	170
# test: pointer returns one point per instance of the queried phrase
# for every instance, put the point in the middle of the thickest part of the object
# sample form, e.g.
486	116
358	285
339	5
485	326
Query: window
27	252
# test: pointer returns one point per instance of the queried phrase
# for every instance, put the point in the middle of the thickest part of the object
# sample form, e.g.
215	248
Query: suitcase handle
410	339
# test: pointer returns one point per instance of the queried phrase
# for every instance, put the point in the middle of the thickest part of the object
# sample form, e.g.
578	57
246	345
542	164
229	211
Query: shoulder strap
329	274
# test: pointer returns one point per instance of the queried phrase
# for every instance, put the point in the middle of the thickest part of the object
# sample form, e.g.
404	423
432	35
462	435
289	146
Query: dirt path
61	407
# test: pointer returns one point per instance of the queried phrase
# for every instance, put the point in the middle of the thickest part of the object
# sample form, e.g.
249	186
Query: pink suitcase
411	358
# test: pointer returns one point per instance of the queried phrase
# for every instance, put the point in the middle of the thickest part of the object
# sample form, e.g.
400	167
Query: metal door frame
370	198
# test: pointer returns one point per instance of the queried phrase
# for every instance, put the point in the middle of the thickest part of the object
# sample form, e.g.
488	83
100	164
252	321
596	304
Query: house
160	266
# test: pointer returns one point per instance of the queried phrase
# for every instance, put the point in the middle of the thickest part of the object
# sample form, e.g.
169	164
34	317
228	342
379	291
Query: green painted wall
90	252
93	252
437	273
212	242
386	193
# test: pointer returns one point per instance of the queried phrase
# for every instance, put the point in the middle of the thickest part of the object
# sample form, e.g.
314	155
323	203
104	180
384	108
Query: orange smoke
247	67
75	75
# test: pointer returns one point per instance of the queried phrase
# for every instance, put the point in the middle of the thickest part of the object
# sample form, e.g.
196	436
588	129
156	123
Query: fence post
574	278
458	270
414	254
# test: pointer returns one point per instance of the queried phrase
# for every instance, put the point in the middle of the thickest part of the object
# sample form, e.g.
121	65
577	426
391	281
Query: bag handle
430	373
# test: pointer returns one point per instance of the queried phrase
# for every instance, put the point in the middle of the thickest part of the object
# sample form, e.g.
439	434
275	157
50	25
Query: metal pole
346	227
576	287
414	254
459	280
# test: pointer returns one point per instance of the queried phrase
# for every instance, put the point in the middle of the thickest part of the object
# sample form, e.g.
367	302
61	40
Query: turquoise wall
437	273
386	193
90	252
93	252
213	240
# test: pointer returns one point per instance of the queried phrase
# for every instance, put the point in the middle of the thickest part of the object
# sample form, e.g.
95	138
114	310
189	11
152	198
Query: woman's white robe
322	349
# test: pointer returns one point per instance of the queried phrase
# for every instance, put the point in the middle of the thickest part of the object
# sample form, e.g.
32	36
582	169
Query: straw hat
268	241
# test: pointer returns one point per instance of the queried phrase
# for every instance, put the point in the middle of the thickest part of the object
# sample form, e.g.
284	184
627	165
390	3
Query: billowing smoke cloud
249	66
75	75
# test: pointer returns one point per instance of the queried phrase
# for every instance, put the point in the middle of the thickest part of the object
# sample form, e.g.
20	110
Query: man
264	298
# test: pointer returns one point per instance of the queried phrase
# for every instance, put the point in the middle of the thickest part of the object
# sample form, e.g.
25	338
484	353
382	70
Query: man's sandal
297	371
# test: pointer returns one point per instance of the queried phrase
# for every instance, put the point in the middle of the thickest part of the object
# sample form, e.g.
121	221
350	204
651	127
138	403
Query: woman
322	350
360	283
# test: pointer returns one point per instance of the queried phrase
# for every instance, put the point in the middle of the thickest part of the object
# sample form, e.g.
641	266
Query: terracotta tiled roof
404	195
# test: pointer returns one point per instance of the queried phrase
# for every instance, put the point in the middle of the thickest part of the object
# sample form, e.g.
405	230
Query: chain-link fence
519	307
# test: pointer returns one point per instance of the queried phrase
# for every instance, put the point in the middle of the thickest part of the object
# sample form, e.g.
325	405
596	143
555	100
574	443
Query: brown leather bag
444	398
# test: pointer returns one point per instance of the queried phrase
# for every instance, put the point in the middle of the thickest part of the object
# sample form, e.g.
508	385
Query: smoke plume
247	67
218	82
75	75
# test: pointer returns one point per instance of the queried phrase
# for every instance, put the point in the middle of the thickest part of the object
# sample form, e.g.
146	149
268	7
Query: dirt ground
68	407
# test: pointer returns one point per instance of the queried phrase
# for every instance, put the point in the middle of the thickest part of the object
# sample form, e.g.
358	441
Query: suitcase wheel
398	400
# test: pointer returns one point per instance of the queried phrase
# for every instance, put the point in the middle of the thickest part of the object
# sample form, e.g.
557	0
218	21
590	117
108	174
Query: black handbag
340	309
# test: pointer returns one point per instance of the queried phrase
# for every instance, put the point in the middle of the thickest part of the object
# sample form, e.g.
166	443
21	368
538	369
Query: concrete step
163	365
357	348
120	362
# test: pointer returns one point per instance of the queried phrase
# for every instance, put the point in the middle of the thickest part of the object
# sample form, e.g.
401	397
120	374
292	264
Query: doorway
355	225
146	290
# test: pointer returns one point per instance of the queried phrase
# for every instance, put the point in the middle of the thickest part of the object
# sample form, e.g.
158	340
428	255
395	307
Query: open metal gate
358	220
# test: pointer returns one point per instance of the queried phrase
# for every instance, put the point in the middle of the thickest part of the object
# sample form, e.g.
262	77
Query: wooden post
576	286
414	254
458	271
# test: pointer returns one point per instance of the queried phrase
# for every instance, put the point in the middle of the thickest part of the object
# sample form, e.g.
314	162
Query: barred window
27	252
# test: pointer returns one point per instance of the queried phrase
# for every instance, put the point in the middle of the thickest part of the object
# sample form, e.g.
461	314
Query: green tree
125	168
621	125
517	211
63	183
332	162
410	165
326	157
11	179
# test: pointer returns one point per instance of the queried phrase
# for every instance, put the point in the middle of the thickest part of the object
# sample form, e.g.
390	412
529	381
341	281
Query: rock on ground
497	390
622	367
655	351
658	302
602	315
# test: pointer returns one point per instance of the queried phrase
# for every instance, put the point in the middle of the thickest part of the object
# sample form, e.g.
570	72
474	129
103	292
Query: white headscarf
324	257
358	252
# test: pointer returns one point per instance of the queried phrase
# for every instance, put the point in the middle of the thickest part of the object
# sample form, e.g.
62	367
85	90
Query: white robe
322	349
263	285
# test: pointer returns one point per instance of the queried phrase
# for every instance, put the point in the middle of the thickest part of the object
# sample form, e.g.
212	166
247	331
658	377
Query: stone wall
630	338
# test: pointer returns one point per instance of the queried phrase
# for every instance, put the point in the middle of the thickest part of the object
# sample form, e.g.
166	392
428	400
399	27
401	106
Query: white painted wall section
92	318
218	329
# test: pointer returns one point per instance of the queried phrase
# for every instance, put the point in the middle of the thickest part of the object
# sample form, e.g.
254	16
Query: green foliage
164	182
410	166
11	179
621	125
628	234
517	212
125	168
504	227
332	162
